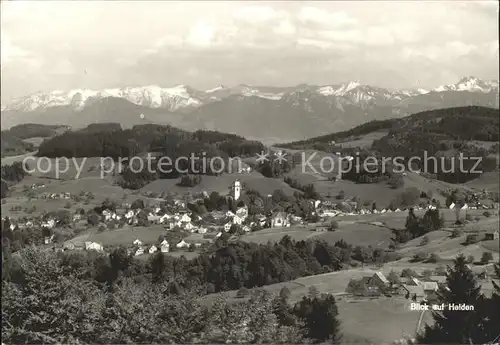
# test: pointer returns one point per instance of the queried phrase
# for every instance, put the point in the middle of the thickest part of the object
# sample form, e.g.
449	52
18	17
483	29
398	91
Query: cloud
257	14
14	54
202	34
131	43
324	18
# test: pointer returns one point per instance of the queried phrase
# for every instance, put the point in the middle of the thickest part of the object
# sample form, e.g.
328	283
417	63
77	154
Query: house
164	246
415	292
279	220
48	224
153	218
246	228
107	215
328	213
242	212
230	214
452	206
202	230
137	242
77	217
49	239
164	218
185	218
189	226
237	220
182	244
93	246
227	226
130	214
465	207
152	249
491	235
68	246
379	280
363	288
139	251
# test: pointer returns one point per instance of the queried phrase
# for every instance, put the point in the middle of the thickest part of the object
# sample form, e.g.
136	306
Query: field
221	184
353	233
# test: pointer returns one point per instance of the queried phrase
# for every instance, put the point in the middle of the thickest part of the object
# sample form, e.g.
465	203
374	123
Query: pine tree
492	310
452	326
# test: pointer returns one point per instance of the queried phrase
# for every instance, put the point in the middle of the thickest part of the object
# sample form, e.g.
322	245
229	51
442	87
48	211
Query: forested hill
110	140
460	123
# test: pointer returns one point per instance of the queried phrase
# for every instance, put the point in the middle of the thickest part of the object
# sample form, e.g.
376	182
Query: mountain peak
471	84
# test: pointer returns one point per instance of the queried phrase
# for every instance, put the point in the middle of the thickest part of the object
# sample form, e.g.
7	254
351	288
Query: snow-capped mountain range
183	98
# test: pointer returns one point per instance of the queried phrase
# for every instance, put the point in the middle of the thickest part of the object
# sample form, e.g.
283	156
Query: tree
424	241
334	225
285	293
408	273
486	257
93	219
137	204
452	326
313	291
393	278
320	317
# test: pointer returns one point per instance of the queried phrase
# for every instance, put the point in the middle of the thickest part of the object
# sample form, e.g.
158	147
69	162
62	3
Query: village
175	216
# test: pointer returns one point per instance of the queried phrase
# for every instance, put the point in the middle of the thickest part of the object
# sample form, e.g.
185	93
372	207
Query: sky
62	45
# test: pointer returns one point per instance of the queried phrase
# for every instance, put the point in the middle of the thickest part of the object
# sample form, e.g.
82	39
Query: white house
48	224
139	251
49	239
202	230
246	228
452	206
130	214
237	220
107	215
164	218
182	244
164	246
153	249
93	246
230	214
137	242
189	226
465	207
242	212
153	218
185	218
227	226
280	220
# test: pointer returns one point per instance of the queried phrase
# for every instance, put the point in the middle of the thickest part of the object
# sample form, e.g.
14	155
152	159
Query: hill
465	135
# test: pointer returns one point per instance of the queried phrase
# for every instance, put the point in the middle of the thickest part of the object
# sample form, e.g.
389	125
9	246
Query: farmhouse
152	249
379	280
279	220
415	292
363	288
